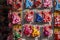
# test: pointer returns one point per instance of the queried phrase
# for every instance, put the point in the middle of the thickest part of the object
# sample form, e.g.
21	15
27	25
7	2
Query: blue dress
38	18
57	5
28	4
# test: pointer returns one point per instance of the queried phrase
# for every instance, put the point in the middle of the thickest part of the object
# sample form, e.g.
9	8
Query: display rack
29	14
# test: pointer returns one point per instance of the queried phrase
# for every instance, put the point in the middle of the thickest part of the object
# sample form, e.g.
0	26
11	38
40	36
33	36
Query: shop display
30	20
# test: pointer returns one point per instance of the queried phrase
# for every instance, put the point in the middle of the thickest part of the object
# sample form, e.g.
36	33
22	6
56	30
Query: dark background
4	29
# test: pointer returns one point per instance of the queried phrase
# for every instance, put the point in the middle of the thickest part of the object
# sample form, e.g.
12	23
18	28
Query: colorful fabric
38	18
28	3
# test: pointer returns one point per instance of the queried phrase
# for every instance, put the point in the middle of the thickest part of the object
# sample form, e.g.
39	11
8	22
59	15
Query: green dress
16	35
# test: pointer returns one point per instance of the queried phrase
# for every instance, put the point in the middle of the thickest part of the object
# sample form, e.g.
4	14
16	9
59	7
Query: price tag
36	38
44	39
23	39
